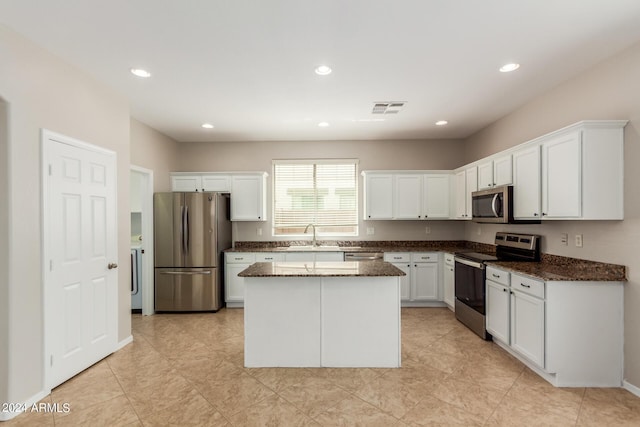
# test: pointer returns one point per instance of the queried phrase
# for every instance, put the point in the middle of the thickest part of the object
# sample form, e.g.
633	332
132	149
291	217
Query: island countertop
322	269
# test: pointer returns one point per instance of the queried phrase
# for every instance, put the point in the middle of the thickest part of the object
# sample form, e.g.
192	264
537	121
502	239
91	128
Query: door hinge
50	170
51	360
50	265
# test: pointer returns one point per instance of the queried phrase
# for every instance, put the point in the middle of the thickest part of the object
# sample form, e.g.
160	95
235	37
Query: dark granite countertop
556	268
550	268
322	269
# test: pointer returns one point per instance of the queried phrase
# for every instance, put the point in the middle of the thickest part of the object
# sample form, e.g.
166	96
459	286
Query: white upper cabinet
466	182
561	192
526	183
435	196
188	183
216	182
378	196
247	197
495	172
574	173
406	195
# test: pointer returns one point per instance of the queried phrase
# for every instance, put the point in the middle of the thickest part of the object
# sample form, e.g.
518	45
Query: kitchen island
322	314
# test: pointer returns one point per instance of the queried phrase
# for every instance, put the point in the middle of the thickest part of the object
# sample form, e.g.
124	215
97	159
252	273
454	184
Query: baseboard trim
631	388
123	343
25	406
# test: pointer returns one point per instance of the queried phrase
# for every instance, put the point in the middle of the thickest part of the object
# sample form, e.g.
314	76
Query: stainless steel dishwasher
363	256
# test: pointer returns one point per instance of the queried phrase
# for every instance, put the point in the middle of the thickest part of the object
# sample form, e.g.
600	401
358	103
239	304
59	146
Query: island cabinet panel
275	339
345	343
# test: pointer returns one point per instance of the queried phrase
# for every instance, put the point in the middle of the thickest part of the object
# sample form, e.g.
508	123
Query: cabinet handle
535	214
504	290
525	286
495	275
544	214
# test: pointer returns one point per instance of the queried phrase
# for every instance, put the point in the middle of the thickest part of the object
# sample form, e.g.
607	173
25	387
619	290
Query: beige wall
610	90
372	155
44	92
153	150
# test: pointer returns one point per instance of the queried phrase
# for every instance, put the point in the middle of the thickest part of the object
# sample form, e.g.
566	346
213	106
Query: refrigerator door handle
186	273
186	216
183	230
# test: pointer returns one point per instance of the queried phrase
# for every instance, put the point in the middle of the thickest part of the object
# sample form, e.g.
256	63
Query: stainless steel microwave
494	205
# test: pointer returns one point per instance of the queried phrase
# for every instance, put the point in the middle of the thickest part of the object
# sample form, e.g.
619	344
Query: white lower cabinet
235	262
449	282
527	326
314	256
421	285
570	333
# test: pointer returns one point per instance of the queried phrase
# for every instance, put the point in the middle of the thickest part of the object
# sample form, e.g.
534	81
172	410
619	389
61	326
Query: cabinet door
435	197
216	183
461	195
485	175
299	256
498	301
407	197
561	177
527	326
186	183
471	182
526	183
234	285
329	256
424	278
503	170
247	198
379	196
405	281
449	285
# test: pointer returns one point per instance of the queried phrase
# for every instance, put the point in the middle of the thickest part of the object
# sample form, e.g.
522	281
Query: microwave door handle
494	206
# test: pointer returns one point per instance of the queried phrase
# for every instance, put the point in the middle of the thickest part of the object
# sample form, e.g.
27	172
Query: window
319	192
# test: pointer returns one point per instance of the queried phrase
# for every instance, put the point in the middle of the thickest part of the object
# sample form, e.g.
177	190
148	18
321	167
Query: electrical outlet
427	230
564	239
370	231
259	231
578	240
479	230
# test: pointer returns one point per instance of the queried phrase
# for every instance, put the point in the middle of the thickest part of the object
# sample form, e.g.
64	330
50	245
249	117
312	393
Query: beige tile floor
187	369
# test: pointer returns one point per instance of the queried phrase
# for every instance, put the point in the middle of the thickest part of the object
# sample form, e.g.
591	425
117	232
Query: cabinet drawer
424	257
498	276
240	258
269	257
527	285
397	257
449	259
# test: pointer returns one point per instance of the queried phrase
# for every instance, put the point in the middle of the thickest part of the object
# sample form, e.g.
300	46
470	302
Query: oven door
469	284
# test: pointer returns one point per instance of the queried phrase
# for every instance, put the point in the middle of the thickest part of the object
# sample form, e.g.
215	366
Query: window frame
355	229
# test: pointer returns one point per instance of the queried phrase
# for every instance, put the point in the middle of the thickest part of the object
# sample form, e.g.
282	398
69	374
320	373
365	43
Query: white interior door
80	279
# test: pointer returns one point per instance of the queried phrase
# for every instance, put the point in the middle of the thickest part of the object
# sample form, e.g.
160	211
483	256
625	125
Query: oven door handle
470	263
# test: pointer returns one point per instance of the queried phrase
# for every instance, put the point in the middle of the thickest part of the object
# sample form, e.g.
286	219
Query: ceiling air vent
387	107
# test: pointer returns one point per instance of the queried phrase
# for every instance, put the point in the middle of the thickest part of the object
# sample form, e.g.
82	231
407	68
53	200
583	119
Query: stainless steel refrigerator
191	232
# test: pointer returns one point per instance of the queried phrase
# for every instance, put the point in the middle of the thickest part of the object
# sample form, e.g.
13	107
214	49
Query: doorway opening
141	206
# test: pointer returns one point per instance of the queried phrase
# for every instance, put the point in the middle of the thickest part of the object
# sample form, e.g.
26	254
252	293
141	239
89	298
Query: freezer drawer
187	289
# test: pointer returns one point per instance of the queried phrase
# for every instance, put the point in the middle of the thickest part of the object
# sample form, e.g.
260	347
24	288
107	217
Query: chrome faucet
314	243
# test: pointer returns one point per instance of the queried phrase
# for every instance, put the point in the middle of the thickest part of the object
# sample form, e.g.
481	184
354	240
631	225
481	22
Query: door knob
112	265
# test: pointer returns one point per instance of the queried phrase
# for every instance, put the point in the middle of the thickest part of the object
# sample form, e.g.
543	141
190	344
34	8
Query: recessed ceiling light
323	70
207	125
507	68
323	124
140	72
441	122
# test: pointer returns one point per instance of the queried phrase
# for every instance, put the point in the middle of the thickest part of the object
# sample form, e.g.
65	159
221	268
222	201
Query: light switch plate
370	231
564	239
427	230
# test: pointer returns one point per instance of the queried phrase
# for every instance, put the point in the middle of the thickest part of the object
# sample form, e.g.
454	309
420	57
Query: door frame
46	136
147	231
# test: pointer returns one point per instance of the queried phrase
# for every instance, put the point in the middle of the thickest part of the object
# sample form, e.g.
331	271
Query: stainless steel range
470	303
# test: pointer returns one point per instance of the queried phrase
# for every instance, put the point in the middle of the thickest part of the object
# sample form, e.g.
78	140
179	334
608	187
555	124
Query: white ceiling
247	66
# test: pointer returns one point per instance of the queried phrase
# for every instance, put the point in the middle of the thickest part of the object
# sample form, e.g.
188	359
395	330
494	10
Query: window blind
322	192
